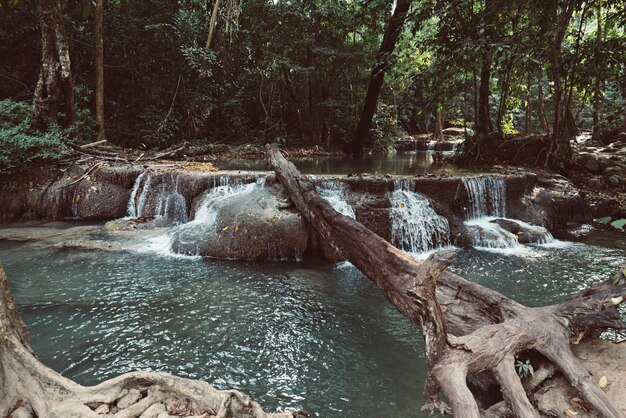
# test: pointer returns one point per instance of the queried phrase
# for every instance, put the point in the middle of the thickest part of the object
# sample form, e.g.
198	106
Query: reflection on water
401	163
310	335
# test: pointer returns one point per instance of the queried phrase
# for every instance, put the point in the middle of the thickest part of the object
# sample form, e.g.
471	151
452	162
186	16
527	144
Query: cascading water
138	195
171	204
486	196
157	196
190	233
334	192
415	226
486	222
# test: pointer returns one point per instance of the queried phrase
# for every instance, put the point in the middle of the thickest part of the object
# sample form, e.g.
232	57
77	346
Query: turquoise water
311	335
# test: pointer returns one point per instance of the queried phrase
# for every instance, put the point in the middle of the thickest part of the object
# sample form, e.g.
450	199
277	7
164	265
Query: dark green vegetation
309	72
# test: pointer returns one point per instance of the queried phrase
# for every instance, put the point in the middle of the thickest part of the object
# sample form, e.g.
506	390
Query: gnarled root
468	329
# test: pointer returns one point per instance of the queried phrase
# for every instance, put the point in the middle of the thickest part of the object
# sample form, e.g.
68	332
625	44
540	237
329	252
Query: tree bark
485	126
99	50
438	134
597	88
559	148
23	378
528	124
317	120
540	115
468	329
54	92
212	23
392	32
623	89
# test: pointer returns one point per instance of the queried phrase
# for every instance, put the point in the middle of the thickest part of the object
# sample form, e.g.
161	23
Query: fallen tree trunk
26	381
468	329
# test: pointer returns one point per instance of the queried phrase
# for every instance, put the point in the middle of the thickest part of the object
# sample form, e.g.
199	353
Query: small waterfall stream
486	196
415	226
334	192
205	216
486	221
138	195
157	195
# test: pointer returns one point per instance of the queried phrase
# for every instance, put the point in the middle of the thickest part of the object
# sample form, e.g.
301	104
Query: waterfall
171	204
223	187
415	226
431	146
486	234
75	199
486	222
191	233
334	192
486	196
136	203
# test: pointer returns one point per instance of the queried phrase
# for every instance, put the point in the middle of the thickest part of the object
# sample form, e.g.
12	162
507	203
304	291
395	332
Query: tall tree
556	17
381	63
99	50
484	120
597	88
54	92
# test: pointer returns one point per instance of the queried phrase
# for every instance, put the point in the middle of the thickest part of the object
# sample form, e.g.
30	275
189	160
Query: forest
323	208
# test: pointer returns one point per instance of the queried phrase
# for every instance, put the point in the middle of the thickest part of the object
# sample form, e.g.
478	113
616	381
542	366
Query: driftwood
25	380
468	329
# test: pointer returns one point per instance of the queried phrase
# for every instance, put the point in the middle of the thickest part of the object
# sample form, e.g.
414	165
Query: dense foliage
297	70
20	144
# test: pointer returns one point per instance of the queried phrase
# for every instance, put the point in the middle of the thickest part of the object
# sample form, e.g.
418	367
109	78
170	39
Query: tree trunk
316	104
54	92
296	102
485	126
623	89
438	134
392	32
597	87
540	115
468	329
99	50
504	95
212	23
23	378
559	148
528	124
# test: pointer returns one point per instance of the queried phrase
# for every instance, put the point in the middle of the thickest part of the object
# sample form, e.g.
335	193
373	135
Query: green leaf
604	220
619	224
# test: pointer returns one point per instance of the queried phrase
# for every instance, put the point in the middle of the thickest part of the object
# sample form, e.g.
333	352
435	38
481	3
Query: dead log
25	380
468	329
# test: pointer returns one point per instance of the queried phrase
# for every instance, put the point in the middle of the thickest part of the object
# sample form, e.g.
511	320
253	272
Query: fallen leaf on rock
570	413
578	403
603	382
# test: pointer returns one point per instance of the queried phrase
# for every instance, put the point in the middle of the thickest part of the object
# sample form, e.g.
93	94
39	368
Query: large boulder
589	162
99	200
252	224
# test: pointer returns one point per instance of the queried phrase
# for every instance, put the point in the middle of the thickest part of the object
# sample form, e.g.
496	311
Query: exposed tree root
25	380
468	329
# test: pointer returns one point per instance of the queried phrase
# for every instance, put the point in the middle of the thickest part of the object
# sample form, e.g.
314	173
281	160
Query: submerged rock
248	224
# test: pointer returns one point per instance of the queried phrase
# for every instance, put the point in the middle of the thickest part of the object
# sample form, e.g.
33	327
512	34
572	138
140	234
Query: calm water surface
401	163
310	335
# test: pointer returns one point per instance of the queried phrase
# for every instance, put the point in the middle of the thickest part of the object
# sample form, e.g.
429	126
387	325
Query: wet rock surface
251	225
164	194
